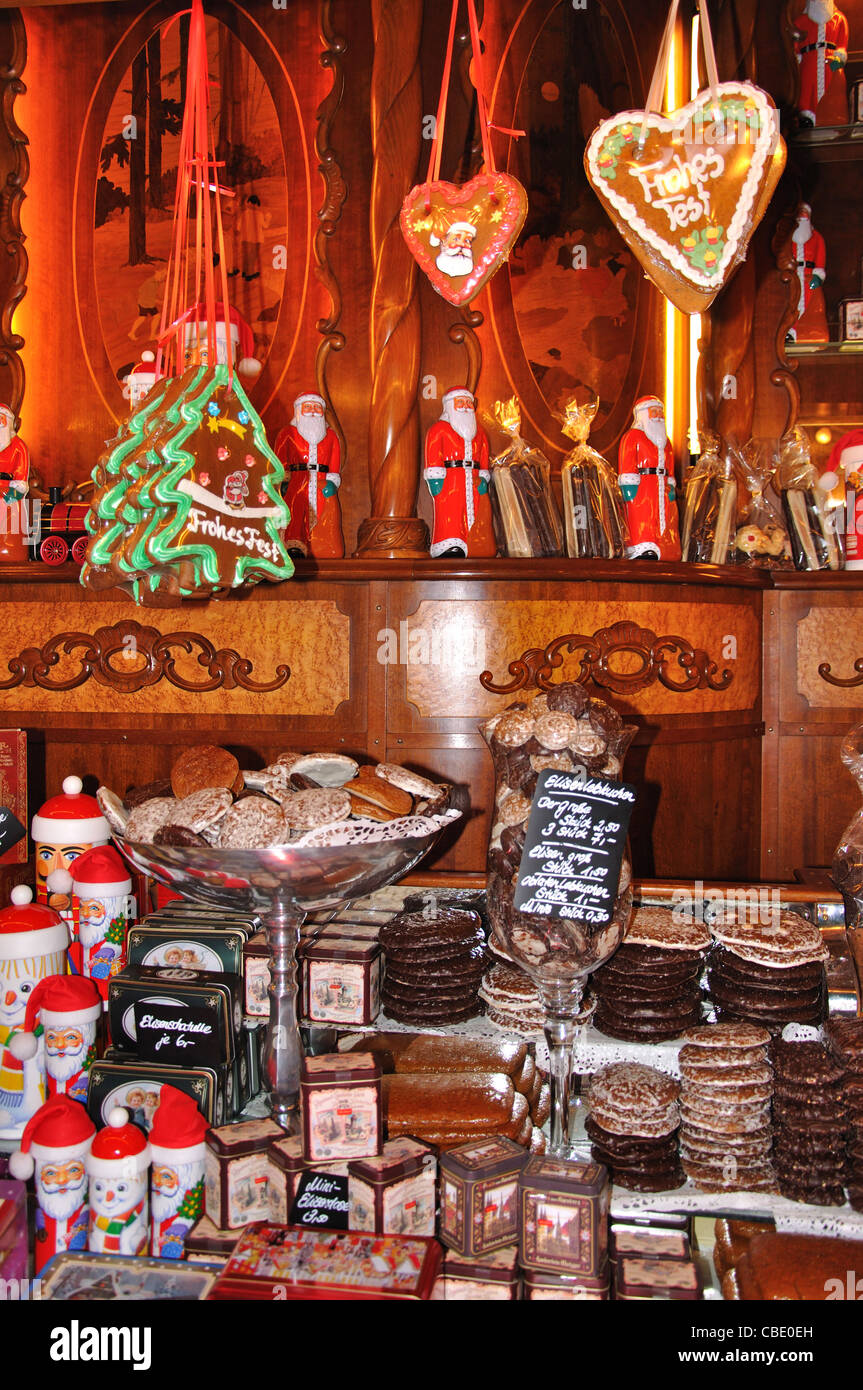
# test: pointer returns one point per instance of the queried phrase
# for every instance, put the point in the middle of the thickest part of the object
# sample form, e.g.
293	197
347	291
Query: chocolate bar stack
845	1040
434	962
727	1084
810	1123
769	972
632	1125
649	990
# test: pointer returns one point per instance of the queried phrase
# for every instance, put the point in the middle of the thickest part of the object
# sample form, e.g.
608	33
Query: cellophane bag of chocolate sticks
526	520
594	514
714	492
816	541
760	540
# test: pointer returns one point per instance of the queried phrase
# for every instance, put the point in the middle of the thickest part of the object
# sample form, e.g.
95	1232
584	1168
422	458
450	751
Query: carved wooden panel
214	660
446	646
829	648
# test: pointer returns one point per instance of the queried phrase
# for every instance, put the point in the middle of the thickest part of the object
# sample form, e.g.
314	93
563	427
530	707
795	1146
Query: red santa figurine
66	1010
117	1169
55	1145
645	463
233	336
101	888
810	260
14	486
310	451
177	1151
140	380
821	45
63	828
457	473
33	942
845	468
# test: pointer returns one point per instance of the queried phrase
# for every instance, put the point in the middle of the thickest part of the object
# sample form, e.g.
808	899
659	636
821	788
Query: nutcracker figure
177	1176
117	1166
310	451
33	942
821	46
810	259
645	463
103	905
63	828
55	1145
457	473
66	1010
14	486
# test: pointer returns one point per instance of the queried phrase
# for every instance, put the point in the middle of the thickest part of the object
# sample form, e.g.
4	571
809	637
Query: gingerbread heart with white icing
688	198
460	235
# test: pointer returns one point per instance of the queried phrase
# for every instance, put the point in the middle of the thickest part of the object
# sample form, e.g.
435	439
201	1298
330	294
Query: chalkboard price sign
573	850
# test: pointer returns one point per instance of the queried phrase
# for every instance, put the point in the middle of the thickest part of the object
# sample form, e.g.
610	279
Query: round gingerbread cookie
661	927
201	810
787	938
150	816
308	810
727	1035
179	836
201	767
515	728
115	811
554	730
253	823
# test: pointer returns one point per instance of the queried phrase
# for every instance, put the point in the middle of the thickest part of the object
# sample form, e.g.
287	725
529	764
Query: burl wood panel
829	637
450	644
266	634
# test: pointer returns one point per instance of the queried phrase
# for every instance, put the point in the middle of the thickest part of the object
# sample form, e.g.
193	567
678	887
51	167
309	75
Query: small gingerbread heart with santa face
460	235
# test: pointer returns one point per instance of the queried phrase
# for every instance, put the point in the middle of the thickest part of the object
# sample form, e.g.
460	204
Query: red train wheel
79	550
53	550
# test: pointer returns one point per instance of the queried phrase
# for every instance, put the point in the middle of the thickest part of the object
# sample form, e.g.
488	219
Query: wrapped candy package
712	494
815	541
526	518
593	509
761	539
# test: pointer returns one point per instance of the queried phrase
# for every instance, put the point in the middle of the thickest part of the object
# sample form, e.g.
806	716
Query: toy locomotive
59	531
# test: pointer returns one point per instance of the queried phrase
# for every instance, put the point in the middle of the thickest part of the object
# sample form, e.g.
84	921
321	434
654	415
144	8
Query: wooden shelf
830	144
823	352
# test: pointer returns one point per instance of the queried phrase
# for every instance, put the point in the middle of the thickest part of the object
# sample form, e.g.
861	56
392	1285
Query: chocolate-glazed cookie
570	697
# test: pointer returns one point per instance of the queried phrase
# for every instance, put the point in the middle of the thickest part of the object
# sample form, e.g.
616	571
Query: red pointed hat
119	1143
28	928
177	1123
61	1123
100	872
63	996
72	818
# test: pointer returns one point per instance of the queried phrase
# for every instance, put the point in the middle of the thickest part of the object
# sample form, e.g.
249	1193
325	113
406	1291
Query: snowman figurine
33	942
118	1172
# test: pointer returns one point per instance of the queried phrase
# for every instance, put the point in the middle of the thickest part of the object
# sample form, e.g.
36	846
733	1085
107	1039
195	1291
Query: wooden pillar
393	528
14	168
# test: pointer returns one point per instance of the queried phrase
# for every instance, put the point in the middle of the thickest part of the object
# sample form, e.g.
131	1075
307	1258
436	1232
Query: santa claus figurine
14	486
66	1010
821	46
310	451
177	1151
63	828
55	1144
117	1169
457	473
232	334
810	261
102	902
33	942
140	380
645	463
845	469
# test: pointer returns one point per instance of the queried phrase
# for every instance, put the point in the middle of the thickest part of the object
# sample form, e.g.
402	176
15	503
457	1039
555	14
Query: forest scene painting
136	186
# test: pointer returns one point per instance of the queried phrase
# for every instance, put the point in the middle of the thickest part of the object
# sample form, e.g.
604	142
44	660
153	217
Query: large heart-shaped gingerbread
460	235
688	200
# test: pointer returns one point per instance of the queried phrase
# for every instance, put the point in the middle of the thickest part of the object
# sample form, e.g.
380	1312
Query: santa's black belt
662	471
307	468
815	47
457	463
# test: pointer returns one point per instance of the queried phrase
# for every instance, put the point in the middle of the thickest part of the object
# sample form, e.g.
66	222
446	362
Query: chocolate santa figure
310	451
33	942
117	1170
810	260
457	473
54	1146
845	469
14	486
63	828
821	46
103	906
645	464
177	1151
66	1009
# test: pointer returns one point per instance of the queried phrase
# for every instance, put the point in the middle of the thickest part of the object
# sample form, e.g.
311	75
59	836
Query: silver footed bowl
301	876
